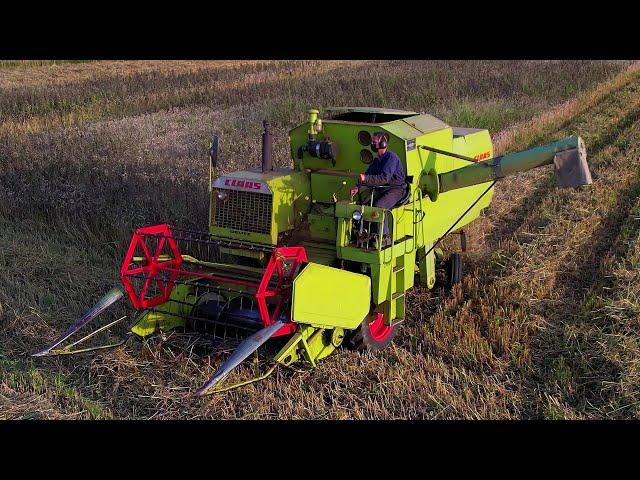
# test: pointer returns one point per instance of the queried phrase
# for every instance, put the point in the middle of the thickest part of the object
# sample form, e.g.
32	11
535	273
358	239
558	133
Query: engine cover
258	206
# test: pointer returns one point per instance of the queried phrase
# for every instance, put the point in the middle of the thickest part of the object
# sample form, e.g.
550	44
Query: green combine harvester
292	252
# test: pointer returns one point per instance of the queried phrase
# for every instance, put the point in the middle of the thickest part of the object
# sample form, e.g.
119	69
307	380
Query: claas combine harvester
291	252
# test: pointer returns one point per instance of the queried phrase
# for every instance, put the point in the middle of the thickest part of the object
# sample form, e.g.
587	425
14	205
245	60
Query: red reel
286	261
151	267
151	242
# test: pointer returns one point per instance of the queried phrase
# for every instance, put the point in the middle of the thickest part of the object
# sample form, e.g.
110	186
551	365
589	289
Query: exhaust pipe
267	148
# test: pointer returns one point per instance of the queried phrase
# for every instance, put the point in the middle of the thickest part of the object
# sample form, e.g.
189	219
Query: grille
244	211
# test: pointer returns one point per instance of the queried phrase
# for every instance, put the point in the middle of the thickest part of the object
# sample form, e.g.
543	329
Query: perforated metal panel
245	211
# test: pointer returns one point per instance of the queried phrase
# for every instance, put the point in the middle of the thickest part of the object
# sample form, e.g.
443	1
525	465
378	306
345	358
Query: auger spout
568	155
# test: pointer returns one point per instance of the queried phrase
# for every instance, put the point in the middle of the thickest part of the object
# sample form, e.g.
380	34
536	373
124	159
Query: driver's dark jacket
385	170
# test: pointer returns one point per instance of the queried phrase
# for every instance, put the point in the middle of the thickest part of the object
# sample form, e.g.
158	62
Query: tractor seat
407	193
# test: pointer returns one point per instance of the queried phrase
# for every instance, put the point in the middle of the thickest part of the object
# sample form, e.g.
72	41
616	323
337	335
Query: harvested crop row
514	200
508	310
576	365
42	108
498	99
28	393
29	74
610	321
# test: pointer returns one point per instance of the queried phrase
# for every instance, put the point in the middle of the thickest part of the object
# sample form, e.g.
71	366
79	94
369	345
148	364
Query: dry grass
46	74
542	326
549	262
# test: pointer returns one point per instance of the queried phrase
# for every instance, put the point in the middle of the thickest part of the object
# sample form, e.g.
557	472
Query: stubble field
544	325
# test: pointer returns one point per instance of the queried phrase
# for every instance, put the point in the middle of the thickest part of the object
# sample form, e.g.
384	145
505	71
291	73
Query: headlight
356	215
222	195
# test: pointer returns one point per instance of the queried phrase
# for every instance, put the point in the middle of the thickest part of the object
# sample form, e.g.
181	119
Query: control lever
334	194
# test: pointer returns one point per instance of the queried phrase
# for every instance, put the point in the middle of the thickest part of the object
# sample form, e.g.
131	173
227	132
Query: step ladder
396	291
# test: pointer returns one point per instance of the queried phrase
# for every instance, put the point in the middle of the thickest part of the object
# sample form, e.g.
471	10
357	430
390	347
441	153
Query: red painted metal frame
377	328
286	261
296	255
151	267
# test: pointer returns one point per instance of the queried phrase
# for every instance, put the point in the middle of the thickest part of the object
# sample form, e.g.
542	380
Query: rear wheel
372	335
453	270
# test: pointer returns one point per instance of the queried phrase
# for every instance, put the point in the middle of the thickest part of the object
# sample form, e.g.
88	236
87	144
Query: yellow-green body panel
330	297
310	343
443	212
165	316
288	193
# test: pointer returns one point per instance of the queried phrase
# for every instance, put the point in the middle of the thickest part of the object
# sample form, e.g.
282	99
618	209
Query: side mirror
214	147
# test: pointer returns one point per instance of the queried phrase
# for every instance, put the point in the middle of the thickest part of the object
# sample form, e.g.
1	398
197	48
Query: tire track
508	223
458	303
148	93
582	364
494	322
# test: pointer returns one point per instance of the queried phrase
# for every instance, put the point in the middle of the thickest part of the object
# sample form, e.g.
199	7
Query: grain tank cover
343	113
415	126
404	124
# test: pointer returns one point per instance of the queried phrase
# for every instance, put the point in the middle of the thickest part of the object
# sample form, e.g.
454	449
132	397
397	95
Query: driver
385	172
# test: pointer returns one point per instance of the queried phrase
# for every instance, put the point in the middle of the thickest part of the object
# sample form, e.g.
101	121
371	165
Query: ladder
396	292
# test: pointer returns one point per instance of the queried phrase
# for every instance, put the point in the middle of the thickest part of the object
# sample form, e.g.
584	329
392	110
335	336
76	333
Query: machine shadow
588	276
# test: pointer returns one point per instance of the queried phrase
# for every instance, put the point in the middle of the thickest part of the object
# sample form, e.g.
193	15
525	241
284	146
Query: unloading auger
290	252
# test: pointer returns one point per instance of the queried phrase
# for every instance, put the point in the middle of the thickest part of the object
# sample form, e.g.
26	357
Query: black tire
453	270
363	339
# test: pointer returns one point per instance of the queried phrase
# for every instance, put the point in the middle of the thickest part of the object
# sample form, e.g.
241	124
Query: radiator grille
244	211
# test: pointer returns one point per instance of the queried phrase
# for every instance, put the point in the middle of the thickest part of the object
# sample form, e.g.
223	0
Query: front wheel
372	334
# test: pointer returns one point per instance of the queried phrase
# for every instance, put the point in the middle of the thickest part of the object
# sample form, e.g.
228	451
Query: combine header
292	252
